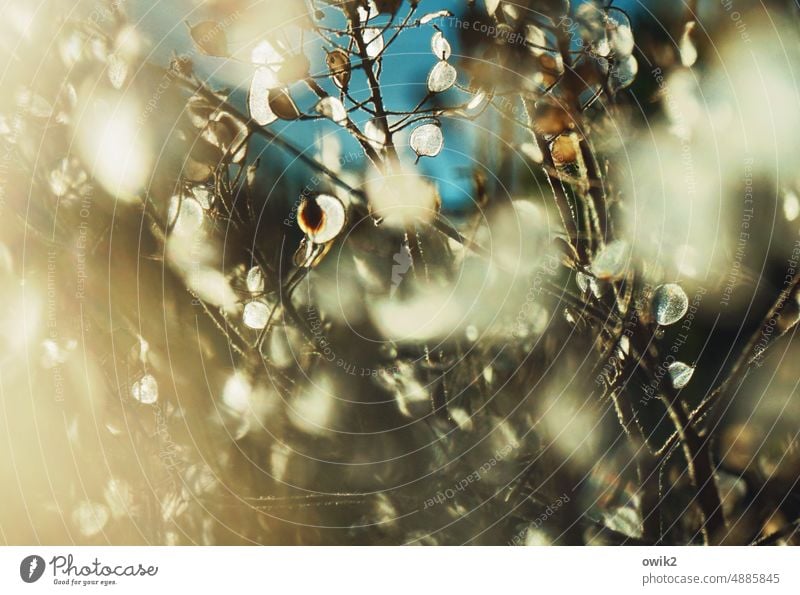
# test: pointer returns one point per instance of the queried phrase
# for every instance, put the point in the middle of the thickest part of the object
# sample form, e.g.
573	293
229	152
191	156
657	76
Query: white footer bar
400	570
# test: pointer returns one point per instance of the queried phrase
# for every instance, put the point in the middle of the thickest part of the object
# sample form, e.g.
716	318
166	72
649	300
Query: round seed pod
321	217
339	67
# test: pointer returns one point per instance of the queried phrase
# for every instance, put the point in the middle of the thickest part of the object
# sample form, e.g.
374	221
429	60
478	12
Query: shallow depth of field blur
508	272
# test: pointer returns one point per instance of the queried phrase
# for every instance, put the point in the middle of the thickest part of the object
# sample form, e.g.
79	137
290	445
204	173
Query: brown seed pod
588	72
564	149
388	6
282	104
339	66
550	68
196	171
551	119
548	62
206	150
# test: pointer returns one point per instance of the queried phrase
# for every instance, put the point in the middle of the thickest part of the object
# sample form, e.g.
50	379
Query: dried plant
399	271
